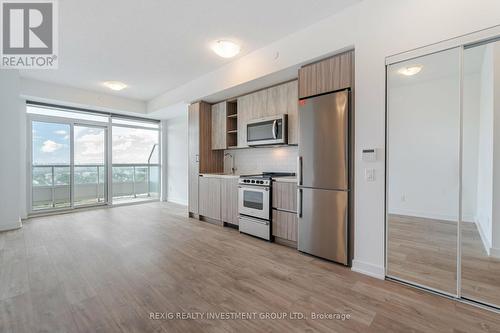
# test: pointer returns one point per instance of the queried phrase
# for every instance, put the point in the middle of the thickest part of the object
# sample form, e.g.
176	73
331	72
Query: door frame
29	158
106	165
462	42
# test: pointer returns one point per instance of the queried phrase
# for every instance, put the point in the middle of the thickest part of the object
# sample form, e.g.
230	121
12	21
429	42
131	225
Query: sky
51	144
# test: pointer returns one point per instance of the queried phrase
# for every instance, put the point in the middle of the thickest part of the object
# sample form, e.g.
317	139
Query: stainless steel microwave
268	131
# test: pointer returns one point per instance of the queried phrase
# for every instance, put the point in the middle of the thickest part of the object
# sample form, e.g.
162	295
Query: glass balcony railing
131	182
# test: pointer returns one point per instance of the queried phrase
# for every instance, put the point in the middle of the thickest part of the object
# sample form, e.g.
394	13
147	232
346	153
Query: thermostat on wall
369	155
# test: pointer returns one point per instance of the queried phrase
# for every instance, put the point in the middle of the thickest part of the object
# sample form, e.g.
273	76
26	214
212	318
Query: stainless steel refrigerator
323	176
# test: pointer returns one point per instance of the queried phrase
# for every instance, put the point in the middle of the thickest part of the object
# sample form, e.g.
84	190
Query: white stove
254	203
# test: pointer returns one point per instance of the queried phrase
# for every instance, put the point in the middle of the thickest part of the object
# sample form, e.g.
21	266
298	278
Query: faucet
232	162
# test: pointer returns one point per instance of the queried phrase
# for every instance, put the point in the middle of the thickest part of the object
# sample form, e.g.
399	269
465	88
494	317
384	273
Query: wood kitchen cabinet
277	100
229	200
250	107
244	115
219	198
285	225
327	75
202	159
210	197
284	203
219	126
292	99
285	196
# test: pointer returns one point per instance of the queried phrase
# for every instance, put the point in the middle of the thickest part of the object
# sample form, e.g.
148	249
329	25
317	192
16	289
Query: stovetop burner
263	179
269	175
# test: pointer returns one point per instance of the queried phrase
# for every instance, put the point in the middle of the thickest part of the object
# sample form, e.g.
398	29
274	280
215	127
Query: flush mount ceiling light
410	70
225	48
115	85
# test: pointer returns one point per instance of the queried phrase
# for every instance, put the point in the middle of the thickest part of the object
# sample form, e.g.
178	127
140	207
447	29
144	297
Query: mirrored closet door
443	172
480	227
423	129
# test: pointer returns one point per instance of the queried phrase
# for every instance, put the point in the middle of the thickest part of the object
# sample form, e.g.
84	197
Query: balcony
131	183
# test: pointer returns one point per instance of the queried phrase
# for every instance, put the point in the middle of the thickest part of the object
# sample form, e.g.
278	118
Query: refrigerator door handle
299	170
299	202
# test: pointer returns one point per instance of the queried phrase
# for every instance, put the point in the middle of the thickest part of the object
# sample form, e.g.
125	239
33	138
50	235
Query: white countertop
288	179
220	175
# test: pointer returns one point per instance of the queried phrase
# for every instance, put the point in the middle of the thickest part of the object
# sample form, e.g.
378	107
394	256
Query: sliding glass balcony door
81	159
51	165
90	171
68	165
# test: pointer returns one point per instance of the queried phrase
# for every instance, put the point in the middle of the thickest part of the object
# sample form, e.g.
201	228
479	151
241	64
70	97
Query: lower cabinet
229	200
218	198
284	210
285	225
209	197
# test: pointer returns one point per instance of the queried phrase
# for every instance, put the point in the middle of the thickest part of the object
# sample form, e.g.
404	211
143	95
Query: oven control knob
253	181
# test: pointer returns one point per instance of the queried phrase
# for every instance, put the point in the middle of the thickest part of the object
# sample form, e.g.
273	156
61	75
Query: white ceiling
157	45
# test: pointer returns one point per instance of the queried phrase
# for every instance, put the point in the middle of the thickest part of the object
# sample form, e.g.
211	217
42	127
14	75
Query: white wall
377	29
10	148
175	150
57	94
256	160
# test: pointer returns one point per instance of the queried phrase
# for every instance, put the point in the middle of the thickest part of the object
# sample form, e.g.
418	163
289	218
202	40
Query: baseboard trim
495	252
484	239
177	201
15	226
365	268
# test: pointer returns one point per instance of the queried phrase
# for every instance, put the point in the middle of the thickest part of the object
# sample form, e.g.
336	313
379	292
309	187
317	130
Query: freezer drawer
323	223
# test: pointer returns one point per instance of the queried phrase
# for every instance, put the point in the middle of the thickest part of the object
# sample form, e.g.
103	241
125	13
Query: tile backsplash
257	160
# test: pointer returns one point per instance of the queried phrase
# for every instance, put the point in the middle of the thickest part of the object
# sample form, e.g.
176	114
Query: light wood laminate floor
424	251
106	270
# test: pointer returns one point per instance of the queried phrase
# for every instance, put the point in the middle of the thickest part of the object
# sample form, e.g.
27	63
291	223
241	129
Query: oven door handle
254	187
254	220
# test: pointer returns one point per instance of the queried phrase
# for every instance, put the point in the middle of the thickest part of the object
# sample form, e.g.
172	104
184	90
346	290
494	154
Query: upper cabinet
224	125
331	74
280	99
200	132
244	115
219	127
292	108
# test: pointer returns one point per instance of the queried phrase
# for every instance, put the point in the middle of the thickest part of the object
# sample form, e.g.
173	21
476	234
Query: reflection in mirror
481	175
423	170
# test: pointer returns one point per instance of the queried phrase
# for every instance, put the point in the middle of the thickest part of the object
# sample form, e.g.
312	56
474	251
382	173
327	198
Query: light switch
370	175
